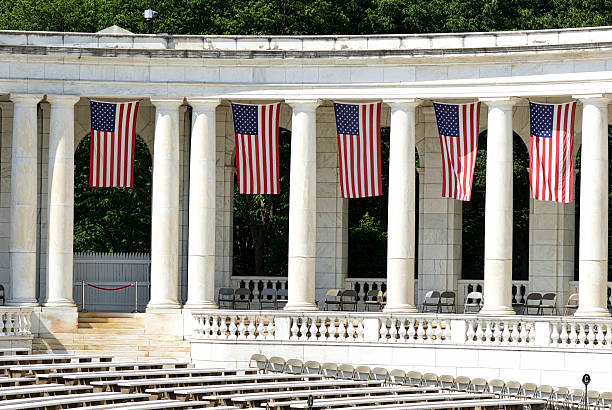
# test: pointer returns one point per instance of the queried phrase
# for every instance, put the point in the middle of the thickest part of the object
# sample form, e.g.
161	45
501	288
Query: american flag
256	132
358	128
551	159
113	137
458	128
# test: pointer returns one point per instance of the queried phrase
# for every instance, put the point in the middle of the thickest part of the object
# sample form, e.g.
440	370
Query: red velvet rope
109	289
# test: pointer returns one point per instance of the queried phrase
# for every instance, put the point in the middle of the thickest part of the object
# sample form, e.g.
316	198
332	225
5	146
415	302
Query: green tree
112	219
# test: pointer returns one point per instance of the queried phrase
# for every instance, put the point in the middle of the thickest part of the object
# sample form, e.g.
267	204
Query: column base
407	308
24	302
162	307
496	311
59	303
298	306
592	312
206	304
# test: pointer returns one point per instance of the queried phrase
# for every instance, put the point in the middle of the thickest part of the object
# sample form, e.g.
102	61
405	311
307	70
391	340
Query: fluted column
61	200
303	205
498	209
165	206
22	223
593	252
400	227
202	181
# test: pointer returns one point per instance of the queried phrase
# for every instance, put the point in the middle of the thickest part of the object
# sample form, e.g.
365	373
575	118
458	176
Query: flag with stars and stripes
256	132
113	138
458	129
551	158
358	127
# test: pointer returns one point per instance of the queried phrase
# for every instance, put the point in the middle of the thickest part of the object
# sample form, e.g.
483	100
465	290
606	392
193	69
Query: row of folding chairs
243	298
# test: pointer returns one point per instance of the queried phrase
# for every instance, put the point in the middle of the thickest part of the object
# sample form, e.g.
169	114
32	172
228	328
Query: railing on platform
258	283
15	321
421	328
520	289
111	296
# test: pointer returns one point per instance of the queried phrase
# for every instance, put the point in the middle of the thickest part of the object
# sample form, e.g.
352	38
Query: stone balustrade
433	329
15	321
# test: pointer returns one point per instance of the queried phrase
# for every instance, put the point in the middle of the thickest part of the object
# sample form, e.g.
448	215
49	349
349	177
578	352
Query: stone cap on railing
269	46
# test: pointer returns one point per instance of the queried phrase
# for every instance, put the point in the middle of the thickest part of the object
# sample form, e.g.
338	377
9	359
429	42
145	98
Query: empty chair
561	394
330	369
431	302
373	300
529	390
346	371
446	381
513	388
544	392
463	383
397	376
592	397
363	373
312	367
473	302
260	361
267	298
242	298
276	364
571	305
497	386
413	377
576	397
533	301
479	385
282	297
332	298
606	398
429	379
226	297
549	303
448	303
294	366
380	373
348	300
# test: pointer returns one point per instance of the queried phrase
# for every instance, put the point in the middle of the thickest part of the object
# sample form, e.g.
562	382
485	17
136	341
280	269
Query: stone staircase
120	334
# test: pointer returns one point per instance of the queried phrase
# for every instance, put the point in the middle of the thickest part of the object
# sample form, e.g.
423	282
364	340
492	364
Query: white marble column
61	200
303	205
401	225
593	263
498	209
165	206
202	181
22	223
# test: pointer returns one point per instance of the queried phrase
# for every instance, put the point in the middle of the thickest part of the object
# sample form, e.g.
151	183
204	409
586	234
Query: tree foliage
112	219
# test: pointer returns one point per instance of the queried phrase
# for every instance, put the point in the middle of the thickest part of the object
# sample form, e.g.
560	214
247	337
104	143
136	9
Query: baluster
531	334
438	332
470	333
591	335
608	338
360	330
498	333
554	335
341	330
573	336
488	334
514	334
383	332
393	331
350	331
271	329
313	329
402	332
429	332
10	323
564	336
582	337
215	329
242	328
523	334
304	329
479	334
600	336
332	329
420	332
232	328
204	328
261	329
251	328
411	331
294	329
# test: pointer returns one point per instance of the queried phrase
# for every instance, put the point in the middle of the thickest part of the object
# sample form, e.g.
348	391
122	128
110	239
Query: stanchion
83	296
136	297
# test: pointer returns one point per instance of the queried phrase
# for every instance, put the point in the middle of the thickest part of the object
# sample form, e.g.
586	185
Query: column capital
600	98
501	102
63	99
403	102
204	103
166	103
25	98
303	103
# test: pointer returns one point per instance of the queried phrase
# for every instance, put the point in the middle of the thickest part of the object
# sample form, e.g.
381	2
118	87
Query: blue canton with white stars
447	116
245	119
541	120
347	118
103	116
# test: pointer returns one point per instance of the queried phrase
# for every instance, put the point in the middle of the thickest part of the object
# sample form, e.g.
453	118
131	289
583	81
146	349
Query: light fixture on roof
149	16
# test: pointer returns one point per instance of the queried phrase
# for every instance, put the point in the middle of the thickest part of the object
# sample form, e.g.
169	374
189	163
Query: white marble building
46	80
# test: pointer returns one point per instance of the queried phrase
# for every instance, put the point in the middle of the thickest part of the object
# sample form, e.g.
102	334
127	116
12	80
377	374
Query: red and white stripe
112	153
551	160
257	155
459	154
360	161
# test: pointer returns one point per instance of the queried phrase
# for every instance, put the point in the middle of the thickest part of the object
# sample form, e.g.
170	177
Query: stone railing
15	321
363	285
257	283
421	328
520	289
